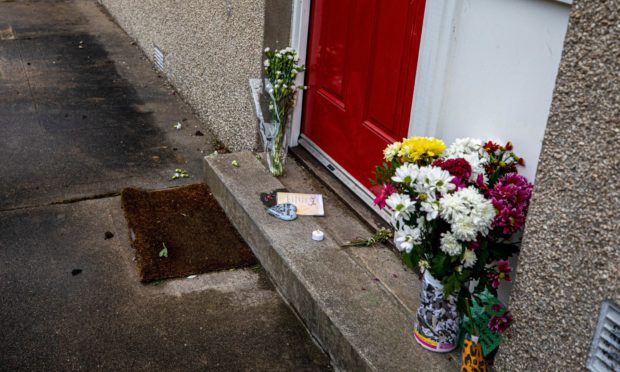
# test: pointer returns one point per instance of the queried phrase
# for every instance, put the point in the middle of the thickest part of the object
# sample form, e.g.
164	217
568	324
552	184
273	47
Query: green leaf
164	252
407	259
439	266
502	251
452	284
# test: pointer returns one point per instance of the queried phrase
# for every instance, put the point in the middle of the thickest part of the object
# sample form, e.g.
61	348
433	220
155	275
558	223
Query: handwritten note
307	204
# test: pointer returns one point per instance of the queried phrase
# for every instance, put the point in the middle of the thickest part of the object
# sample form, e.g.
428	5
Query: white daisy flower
406	238
399	203
430	208
406	173
266	63
432	180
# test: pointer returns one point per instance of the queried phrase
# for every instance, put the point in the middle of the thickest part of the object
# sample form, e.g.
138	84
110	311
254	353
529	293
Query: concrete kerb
360	329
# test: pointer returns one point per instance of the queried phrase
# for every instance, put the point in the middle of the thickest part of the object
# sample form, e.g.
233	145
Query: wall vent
605	352
158	58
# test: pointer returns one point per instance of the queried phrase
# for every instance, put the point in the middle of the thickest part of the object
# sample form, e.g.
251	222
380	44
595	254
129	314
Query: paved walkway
83	115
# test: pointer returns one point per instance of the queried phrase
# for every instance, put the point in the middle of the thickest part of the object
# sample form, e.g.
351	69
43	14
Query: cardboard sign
307	204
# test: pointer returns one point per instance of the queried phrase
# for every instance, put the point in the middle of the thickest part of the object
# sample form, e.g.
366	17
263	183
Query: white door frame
300	26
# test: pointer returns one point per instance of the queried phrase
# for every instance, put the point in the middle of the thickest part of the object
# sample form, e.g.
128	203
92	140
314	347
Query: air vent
605	353
158	58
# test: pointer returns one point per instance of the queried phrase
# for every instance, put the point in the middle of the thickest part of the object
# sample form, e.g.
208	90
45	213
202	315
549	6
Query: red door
362	58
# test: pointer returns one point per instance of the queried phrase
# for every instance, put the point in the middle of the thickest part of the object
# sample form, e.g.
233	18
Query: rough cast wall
212	48
570	261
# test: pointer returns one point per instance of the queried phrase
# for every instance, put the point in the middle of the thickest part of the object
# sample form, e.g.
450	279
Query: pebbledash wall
570	259
211	49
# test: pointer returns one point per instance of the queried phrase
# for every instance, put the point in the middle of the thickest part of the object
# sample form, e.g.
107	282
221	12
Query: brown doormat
192	226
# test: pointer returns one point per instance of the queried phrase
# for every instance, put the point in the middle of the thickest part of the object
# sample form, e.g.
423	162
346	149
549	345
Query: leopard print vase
472	359
437	318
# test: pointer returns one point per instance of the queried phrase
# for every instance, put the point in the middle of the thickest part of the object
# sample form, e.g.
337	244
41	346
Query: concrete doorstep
358	303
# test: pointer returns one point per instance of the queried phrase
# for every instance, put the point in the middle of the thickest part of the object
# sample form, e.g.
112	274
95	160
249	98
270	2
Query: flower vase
472	358
437	318
275	116
277	150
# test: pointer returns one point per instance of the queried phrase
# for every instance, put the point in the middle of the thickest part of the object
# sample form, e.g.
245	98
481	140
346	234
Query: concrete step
357	302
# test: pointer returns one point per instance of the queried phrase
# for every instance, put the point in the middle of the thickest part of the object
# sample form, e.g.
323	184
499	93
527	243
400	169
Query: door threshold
347	188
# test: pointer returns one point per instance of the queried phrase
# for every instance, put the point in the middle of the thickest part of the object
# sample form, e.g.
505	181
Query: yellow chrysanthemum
391	151
421	149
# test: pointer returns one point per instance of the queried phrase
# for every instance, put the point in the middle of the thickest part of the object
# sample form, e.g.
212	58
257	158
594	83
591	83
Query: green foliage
439	266
407	260
384	172
179	173
481	313
380	236
164	252
502	251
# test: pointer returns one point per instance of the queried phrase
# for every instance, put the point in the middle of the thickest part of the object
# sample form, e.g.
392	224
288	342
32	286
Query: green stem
277	160
471	320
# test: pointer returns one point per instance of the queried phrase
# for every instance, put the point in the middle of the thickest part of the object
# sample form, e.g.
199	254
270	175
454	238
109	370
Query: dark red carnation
491	146
459	168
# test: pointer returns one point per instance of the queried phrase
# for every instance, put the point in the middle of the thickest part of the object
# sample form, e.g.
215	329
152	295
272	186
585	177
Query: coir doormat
180	232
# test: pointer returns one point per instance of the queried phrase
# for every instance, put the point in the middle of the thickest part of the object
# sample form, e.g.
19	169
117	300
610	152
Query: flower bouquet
455	211
281	70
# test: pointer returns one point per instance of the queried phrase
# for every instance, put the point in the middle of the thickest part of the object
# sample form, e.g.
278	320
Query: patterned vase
472	359
437	319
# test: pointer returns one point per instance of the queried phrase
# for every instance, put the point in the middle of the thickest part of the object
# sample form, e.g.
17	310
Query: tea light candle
318	235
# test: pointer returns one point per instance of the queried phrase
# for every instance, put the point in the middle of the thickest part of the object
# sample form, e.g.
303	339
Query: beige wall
570	259
212	48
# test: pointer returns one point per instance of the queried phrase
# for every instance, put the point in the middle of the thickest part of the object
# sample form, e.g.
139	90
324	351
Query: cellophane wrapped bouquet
456	212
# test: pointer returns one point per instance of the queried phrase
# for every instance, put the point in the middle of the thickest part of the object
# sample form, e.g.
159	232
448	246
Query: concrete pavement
83	115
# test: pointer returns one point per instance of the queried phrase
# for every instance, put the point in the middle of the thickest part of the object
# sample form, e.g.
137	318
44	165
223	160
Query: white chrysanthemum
463	146
432	180
266	63
468	213
400	204
477	166
450	245
423	264
483	217
464	229
406	238
391	151
469	258
406	173
267	49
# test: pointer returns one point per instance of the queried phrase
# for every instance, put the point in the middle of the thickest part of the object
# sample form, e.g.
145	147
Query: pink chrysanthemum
503	273
511	196
500	323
